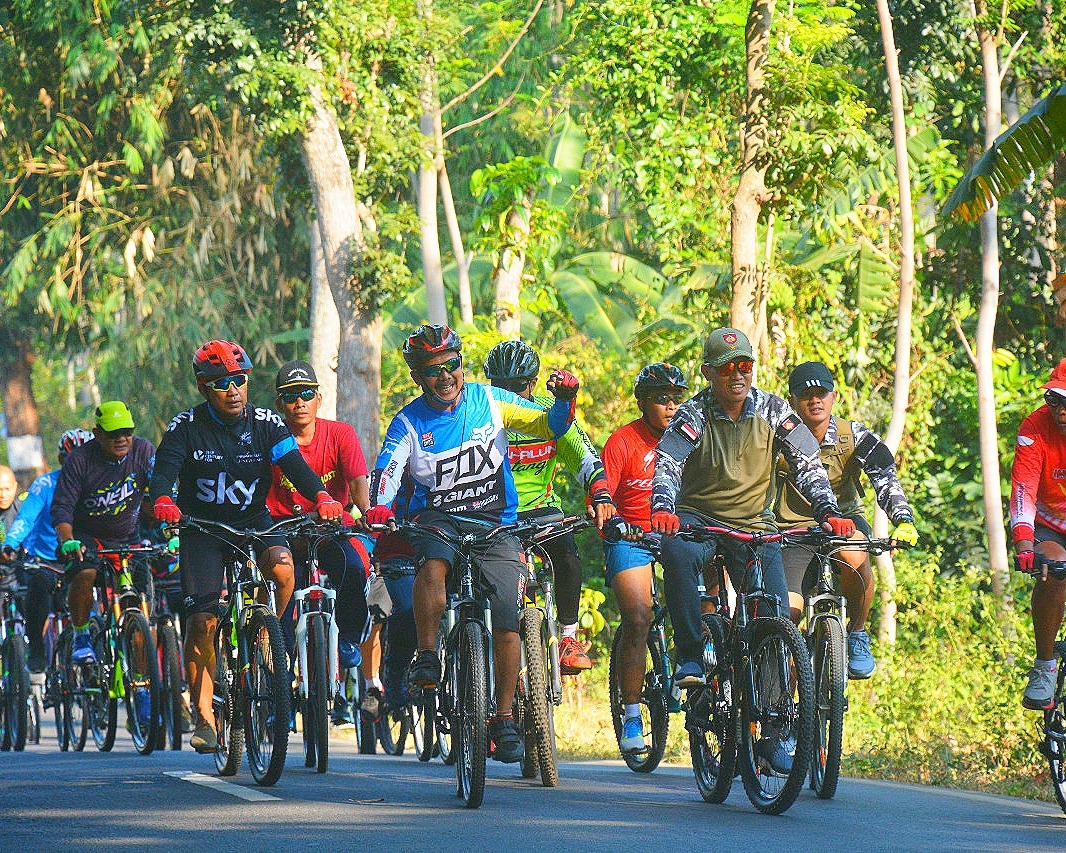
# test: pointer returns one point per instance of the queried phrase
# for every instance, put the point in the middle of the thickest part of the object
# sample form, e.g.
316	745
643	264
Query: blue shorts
623	555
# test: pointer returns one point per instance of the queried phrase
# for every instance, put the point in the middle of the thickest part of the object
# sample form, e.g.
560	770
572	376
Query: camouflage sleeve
682	436
876	460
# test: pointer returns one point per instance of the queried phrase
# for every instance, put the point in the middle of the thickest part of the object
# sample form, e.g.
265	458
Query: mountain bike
253	686
759	691
15	696
67	707
826	636
1053	733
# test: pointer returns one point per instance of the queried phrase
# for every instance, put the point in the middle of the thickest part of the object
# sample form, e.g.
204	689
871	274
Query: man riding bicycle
1038	525
219	454
515	365
452	440
847	449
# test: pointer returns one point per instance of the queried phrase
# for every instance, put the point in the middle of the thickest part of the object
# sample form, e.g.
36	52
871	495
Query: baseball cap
810	374
725	345
1057	381
296	374
113	415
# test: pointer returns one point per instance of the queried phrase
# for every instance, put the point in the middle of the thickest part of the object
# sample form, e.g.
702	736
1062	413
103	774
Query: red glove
166	511
563	385
665	522
327	508
1023	561
379	515
843	527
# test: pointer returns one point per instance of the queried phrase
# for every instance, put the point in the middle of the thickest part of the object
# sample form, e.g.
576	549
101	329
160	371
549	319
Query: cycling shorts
801	567
619	556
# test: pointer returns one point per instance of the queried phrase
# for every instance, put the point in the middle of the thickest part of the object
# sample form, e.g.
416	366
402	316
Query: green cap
725	345
112	415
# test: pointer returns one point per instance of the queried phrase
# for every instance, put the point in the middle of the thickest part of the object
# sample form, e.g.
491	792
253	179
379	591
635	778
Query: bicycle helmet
510	361
428	341
659	376
219	358
73	438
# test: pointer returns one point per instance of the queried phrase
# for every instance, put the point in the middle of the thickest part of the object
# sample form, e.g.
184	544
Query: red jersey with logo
1038	476
334	454
629	460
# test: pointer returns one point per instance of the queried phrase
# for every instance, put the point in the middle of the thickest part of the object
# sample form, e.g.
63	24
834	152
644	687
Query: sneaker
689	674
632	736
204	739
1040	691
425	671
572	657
507	740
861	663
349	653
142	703
82	653
342	712
371	704
777	753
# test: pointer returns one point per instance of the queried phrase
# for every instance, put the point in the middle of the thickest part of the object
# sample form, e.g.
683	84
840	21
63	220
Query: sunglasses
667	399
729	367
224	383
116	434
433	371
290	397
1054	400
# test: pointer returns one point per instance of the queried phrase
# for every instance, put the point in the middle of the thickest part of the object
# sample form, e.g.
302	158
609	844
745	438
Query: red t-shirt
335	455
629	460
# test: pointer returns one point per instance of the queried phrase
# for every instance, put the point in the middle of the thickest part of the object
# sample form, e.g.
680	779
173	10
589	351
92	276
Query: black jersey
222	470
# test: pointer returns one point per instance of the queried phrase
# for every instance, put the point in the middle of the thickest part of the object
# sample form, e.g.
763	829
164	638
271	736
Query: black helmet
659	376
428	341
510	361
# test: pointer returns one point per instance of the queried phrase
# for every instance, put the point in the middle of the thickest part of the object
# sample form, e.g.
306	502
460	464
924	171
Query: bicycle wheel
538	716
16	692
227	702
58	683
775	715
5	738
316	707
710	717
1054	744
101	708
830	682
139	663
170	686
33	717
393	729
269	690
654	716
471	715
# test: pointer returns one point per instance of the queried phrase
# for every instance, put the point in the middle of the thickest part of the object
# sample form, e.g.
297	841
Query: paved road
51	800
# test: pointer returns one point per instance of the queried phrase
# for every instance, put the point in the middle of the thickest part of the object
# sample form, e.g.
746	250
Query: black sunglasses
116	434
290	397
432	371
666	399
1054	399
224	383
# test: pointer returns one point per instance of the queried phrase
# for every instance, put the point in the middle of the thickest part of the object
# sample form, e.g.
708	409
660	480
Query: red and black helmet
428	341
659	376
219	358
73	438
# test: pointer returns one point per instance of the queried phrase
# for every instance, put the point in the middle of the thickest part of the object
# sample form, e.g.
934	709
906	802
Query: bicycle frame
317	600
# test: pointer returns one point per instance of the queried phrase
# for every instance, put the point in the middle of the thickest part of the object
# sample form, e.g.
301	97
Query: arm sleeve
578	454
31	508
295	467
876	460
682	436
169	457
1025	475
66	495
527	417
391	463
800	449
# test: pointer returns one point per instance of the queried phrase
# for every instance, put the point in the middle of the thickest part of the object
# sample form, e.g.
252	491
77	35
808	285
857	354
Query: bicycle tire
530	764
101	708
227	702
140	671
316	711
471	715
33	718
538	708
1053	745
266	707
655	717
16	692
440	726
170	687
830	684
393	729
414	713
710	717
777	705
62	702
368	734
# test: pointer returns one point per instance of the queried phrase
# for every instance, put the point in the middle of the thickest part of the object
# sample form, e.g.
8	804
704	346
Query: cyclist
332	450
452	440
98	500
847	449
1038	524
10	502
33	533
219	454
515	365
629	460
715	461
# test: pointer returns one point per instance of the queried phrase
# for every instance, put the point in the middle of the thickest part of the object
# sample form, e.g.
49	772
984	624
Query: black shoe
425	671
507	740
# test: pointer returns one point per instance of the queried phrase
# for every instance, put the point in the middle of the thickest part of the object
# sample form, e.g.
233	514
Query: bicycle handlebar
534	530
1055	568
815	539
215	528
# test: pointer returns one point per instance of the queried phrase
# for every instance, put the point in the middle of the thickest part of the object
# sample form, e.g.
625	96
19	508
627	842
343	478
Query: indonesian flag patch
690	431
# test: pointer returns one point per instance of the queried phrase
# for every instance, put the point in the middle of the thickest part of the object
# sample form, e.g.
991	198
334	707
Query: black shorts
499	561
801	566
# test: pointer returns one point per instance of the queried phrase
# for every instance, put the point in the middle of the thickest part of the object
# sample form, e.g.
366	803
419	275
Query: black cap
296	374
810	374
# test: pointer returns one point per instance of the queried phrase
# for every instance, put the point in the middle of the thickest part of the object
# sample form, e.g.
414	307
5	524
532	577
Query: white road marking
250	794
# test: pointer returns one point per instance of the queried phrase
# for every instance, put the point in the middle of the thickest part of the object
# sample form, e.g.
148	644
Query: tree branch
1010	55
964	339
502	106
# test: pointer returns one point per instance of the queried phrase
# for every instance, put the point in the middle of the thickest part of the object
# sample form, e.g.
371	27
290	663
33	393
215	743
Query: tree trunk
749	276
341	222
462	265
509	273
325	328
25	449
426	196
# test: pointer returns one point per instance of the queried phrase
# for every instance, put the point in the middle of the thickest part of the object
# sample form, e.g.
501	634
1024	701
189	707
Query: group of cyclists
465	455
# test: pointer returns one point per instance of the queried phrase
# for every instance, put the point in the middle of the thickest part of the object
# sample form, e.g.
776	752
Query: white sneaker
1040	691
